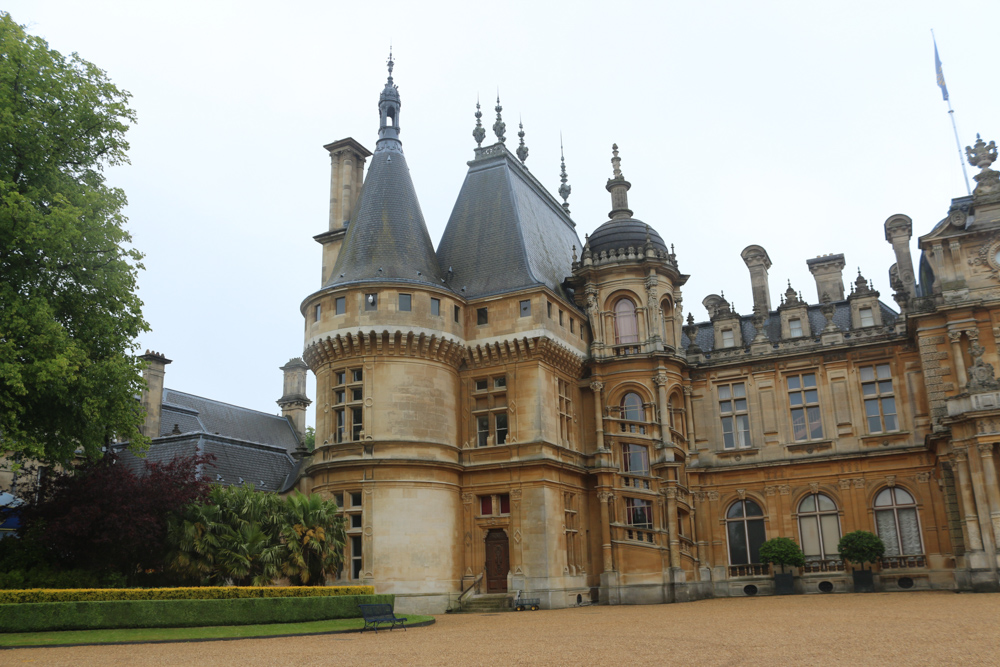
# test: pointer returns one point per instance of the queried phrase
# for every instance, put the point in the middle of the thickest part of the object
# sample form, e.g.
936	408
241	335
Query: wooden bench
377	614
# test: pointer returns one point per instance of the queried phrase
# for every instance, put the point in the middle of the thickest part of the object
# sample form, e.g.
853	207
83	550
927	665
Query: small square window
404	301
357	375
525	308
371	301
499	383
458	312
356	394
341	305
482	316
866	317
319	311
435	306
481	385
339	396
341	377
355	521
356	499
339	499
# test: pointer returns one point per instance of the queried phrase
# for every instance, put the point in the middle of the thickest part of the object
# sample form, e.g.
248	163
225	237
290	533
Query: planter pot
864	581
784	583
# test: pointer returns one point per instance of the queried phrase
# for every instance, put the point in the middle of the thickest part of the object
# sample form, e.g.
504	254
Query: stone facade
544	420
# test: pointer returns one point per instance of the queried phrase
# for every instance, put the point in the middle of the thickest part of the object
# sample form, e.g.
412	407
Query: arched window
745	529
819	527
626	325
897	523
632	408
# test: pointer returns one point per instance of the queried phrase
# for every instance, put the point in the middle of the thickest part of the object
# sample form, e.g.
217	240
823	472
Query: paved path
932	628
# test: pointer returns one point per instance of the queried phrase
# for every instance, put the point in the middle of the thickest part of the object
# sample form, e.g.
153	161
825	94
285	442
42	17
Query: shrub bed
47	616
194	593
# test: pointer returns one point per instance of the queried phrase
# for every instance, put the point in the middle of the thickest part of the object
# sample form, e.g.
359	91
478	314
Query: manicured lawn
15	639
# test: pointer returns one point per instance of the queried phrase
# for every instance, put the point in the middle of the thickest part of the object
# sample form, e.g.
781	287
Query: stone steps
487	604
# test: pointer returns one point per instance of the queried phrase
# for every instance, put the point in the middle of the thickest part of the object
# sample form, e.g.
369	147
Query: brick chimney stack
152	396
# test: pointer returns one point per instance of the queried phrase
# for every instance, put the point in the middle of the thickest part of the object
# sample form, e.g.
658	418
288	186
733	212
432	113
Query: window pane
795	398
885	523
809	380
485	505
815	423
812	396
482	430
743	430
808	504
626	328
741	405
525	308
830	526
739	390
910	531
371	301
341	304
867	373
725	407
869	389
735	510
355	499
755	535
404	301
903	497
753	509
799	424
357	375
793	382
501	425
825	504
481	385
890	423
500	383
435	306
809	529
883	498
482	316
885	386
874	425
737	543
883	372
505	504
724	392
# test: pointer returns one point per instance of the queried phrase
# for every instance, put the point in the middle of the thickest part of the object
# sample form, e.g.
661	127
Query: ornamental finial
564	189
980	155
390	63
522	150
616	162
479	133
499	127
987	180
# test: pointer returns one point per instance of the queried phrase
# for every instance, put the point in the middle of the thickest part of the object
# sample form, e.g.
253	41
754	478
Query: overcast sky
798	126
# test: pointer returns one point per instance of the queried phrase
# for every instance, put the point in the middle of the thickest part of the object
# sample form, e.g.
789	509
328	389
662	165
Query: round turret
624	233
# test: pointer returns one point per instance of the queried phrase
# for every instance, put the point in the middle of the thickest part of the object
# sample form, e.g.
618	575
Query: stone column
992	491
956	352
675	544
689	419
898	230
956	259
982	505
597	386
605	497
468	523
960	458
660	379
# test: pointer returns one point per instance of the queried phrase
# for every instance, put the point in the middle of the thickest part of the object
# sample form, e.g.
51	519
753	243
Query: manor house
541	418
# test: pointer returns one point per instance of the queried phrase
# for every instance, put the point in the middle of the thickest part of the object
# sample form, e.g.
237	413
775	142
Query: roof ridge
231	405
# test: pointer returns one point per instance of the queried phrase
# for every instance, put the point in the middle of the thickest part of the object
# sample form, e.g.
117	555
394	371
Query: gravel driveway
928	628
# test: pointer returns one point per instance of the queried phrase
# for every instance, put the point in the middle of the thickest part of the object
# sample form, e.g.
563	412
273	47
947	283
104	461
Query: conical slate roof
387	238
506	231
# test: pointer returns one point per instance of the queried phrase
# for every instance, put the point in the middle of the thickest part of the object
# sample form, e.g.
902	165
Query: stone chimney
152	396
898	230
828	271
293	401
347	169
758	262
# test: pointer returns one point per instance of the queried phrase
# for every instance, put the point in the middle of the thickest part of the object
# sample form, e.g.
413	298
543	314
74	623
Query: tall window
626	325
631	409
866	317
804	401
348	412
350	507
728	338
735	417
745	530
490	410
795	328
880	402
819	527
406	302
525	308
565	414
635	459
482	316
435	306
897	523
341	305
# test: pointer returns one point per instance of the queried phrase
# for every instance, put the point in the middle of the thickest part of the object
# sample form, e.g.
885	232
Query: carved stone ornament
699	496
604	496
814	487
845	484
784	489
770	490
890	480
596	386
713	495
660	379
988	257
960	456
954	336
982	155
986	450
923	477
957	218
742	493
981	374
670	492
467	498
515	494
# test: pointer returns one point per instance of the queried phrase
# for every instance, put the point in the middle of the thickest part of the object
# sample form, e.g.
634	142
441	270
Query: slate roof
506	232
772	326
194	414
624	233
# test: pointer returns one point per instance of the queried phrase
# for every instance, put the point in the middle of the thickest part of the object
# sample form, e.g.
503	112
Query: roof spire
618	187
564	189
522	150
391	63
388	110
478	133
499	127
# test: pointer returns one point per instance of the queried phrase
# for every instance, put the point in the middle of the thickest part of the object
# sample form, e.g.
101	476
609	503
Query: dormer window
867	317
795	328
728	338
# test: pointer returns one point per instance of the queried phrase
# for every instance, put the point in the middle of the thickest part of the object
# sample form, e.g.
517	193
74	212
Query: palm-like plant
314	539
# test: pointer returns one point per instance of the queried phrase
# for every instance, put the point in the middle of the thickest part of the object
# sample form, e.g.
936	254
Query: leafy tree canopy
782	551
861	547
69	314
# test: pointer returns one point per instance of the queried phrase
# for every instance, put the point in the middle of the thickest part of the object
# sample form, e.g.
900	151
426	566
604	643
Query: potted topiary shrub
858	548
782	551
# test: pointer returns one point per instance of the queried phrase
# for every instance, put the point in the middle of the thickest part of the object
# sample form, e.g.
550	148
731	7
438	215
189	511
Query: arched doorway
497	561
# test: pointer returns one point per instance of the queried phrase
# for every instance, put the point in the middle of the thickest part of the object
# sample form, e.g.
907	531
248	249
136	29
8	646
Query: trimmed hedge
199	593
49	616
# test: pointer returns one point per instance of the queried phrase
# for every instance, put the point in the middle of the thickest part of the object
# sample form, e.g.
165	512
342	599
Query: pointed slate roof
386	238
506	232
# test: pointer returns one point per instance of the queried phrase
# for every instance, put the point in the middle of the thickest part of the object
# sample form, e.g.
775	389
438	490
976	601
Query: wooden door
497	561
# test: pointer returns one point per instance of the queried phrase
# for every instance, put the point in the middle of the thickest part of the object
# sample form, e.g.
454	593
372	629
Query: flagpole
951	112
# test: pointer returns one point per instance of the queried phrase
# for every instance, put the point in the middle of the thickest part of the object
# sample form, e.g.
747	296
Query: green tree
314	539
69	315
782	551
861	547
233	538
